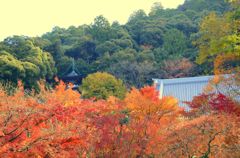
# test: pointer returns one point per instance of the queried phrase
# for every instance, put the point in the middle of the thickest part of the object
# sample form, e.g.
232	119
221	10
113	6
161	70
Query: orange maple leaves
58	123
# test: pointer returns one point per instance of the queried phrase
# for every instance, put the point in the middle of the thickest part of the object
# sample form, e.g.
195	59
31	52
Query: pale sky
35	17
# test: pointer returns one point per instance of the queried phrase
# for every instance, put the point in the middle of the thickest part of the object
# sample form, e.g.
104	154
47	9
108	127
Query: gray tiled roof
72	74
184	89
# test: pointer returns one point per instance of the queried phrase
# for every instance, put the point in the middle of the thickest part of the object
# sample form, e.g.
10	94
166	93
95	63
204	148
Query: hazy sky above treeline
35	17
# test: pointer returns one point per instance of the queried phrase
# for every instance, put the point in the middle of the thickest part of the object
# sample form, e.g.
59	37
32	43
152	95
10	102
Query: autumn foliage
58	123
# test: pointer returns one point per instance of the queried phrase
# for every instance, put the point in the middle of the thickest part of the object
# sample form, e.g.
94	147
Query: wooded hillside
155	45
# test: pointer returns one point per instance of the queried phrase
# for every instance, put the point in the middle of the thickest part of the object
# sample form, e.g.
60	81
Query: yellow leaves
112	100
145	103
219	42
211	86
216	79
221	63
170	103
214	31
64	95
102	85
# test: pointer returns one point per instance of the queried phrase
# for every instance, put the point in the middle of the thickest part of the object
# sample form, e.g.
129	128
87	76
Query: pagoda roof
73	74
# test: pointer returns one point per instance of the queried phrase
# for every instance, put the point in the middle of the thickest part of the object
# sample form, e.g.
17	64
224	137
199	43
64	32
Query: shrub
101	85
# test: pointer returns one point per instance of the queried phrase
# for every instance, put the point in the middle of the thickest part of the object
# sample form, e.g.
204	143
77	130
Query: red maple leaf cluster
58	123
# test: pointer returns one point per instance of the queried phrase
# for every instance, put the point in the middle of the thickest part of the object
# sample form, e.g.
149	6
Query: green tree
218	41
175	43
100	30
216	36
137	15
84	50
183	23
147	32
156	9
209	5
137	74
22	60
134	68
11	69
101	85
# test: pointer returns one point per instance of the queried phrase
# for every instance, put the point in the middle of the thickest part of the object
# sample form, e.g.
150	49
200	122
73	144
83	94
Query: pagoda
72	76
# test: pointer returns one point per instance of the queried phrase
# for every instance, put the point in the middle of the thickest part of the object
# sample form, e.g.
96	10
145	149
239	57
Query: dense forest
161	44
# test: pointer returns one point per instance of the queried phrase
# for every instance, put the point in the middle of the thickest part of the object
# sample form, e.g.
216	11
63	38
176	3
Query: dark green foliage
100	30
85	50
20	59
209	5
146	47
175	43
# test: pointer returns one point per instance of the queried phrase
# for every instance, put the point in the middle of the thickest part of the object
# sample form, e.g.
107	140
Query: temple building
72	76
184	89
